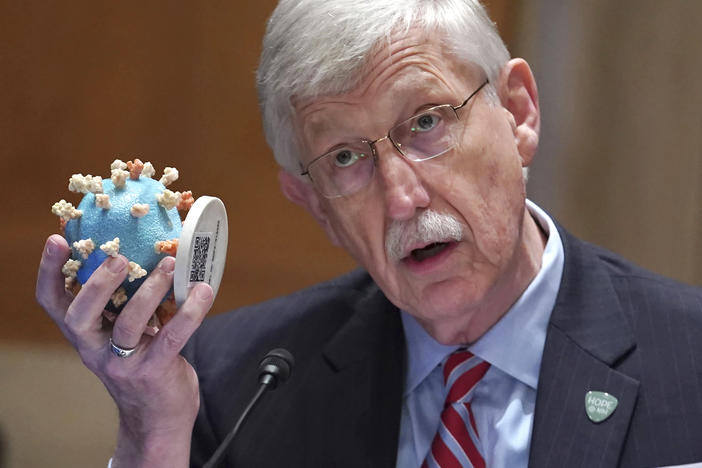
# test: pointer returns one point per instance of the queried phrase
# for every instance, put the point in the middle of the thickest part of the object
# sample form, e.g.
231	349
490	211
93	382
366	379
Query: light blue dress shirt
503	402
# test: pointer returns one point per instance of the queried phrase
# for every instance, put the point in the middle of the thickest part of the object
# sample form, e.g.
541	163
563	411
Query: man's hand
155	389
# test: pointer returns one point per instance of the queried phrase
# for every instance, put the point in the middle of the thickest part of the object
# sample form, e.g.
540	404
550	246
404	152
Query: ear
304	195
520	98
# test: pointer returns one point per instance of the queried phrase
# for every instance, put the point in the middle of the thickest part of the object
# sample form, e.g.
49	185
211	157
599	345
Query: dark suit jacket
615	328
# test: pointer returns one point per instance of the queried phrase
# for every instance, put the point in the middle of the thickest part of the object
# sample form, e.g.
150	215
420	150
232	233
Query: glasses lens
427	134
343	171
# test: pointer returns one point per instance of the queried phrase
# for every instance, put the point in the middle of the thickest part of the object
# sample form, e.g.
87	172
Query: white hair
318	48
429	227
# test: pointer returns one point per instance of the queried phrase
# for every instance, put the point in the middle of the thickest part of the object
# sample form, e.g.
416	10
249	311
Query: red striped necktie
456	442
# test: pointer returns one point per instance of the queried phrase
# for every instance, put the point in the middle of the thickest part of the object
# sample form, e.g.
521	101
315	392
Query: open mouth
431	250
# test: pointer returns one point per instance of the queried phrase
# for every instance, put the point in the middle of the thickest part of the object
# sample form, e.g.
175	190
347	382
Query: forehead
408	71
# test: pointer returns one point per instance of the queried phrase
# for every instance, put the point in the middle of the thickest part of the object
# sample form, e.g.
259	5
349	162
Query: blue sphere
137	235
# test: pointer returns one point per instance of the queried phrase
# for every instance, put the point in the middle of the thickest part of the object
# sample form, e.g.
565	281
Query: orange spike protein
135	168
169	247
186	201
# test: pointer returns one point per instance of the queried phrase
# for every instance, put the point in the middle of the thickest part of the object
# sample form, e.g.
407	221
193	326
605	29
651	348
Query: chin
451	297
448	311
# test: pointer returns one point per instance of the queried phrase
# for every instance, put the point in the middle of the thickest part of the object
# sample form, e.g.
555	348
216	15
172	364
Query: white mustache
429	227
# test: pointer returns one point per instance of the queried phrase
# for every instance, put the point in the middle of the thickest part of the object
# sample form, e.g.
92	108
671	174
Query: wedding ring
119	351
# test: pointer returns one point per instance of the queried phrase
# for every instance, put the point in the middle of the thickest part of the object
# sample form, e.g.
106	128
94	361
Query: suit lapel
587	334
367	356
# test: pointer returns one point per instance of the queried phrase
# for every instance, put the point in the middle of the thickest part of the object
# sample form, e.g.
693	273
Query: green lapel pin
599	405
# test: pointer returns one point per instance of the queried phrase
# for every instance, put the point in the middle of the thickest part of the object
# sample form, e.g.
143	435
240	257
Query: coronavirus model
129	214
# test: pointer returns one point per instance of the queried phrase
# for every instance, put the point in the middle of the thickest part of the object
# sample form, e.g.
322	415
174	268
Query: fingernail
50	247
203	293
167	265
116	265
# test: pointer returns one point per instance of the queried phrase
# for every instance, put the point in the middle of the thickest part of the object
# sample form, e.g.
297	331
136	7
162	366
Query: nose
403	190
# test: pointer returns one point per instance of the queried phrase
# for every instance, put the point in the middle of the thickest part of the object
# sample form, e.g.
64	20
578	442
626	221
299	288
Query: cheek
359	229
484	185
492	165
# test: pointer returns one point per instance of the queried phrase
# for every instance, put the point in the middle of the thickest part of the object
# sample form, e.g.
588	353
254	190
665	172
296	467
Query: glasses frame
372	143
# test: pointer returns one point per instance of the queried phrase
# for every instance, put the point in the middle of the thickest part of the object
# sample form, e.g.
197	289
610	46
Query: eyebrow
418	111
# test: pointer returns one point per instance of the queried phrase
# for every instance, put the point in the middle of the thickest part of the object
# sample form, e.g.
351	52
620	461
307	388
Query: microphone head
275	367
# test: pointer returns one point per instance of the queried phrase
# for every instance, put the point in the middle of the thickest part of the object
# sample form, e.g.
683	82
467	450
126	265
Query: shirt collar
523	327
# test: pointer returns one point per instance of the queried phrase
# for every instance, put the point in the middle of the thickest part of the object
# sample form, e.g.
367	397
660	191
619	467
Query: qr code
201	247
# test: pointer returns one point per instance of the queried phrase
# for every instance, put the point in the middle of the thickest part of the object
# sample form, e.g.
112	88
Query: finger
172	337
84	316
50	289
131	322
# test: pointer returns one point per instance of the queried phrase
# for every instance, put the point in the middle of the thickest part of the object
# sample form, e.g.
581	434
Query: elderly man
477	333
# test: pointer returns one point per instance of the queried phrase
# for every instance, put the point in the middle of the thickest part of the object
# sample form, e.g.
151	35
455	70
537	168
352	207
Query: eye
346	157
425	122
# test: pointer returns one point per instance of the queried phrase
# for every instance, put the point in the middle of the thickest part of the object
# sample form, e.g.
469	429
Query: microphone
273	370
275	367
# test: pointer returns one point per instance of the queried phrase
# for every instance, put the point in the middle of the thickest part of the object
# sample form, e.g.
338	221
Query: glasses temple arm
487	80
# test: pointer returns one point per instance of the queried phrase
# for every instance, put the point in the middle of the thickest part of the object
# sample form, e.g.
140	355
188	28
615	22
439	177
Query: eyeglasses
349	168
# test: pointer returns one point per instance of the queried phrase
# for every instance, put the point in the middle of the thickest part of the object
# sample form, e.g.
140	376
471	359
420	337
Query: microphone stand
273	369
218	456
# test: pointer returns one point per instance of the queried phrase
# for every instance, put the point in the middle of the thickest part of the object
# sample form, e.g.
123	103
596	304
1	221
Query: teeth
428	251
